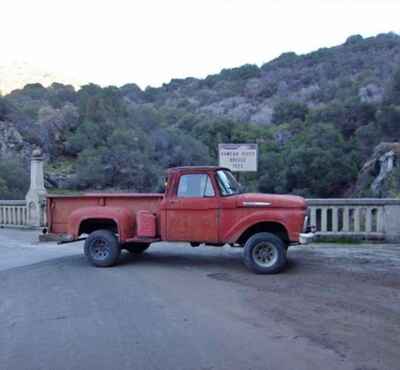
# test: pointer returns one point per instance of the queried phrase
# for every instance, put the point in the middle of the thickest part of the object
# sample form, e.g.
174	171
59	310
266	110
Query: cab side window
195	186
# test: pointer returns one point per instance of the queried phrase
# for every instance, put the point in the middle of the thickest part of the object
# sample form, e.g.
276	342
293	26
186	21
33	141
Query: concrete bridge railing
20	213
370	219
13	213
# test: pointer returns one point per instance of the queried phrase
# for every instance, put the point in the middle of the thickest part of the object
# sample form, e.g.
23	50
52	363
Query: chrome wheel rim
99	249
265	254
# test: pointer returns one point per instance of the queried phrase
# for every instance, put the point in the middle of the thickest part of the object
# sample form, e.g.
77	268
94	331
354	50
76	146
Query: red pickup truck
201	205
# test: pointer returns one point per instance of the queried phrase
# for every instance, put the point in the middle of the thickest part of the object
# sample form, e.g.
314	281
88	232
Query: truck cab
200	206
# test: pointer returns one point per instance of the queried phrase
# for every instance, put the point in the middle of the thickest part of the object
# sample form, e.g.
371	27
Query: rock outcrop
374	175
12	142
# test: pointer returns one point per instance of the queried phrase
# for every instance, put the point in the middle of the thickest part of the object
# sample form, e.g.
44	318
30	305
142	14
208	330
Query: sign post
238	157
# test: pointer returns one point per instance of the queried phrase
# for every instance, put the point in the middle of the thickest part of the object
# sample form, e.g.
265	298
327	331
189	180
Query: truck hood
270	201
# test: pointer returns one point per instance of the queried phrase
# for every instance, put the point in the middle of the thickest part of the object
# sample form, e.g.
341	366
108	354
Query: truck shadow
181	260
186	257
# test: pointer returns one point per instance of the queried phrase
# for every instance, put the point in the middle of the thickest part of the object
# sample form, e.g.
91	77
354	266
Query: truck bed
60	207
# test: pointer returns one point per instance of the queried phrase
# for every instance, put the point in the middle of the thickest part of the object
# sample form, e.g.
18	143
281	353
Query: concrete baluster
346	220
357	219
379	220
368	220
335	219
324	219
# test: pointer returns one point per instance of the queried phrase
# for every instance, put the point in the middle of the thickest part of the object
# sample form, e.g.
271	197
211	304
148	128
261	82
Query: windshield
227	183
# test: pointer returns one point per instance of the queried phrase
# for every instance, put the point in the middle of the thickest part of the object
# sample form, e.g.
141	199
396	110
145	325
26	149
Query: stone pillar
36	196
389	222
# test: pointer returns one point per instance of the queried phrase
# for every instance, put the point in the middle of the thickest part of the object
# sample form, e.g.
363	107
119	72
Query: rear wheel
136	248
265	253
102	248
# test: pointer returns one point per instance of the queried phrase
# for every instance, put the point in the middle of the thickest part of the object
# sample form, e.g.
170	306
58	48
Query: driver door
192	212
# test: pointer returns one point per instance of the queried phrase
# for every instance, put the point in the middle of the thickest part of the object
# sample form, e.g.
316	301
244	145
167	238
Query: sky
149	42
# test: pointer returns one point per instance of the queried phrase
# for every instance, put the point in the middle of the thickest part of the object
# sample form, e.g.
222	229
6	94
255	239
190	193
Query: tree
14	179
388	118
393	90
318	162
347	116
287	111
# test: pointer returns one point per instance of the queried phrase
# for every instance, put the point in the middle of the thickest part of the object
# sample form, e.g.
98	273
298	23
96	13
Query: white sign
238	157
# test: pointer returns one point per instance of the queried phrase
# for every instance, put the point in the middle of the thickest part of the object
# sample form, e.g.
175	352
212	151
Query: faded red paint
146	224
217	220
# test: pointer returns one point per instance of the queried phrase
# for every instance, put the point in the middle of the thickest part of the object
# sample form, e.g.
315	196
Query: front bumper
306	238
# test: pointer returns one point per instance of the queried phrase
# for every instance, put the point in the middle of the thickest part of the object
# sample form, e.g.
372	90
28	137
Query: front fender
124	219
234	233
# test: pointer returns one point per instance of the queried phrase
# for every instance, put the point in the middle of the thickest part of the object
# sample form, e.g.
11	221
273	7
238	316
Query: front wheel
265	253
102	248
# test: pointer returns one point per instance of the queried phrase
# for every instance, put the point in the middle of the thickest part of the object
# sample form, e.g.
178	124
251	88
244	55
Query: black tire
265	253
102	248
136	248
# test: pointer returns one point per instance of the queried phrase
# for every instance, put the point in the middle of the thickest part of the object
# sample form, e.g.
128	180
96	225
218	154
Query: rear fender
123	218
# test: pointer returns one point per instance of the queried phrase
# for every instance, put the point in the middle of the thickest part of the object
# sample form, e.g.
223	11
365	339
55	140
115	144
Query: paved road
188	308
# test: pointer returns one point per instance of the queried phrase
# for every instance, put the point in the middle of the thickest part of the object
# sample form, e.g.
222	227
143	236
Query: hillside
358	69
316	117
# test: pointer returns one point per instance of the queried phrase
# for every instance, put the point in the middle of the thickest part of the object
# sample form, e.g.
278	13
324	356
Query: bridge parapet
358	218
13	213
